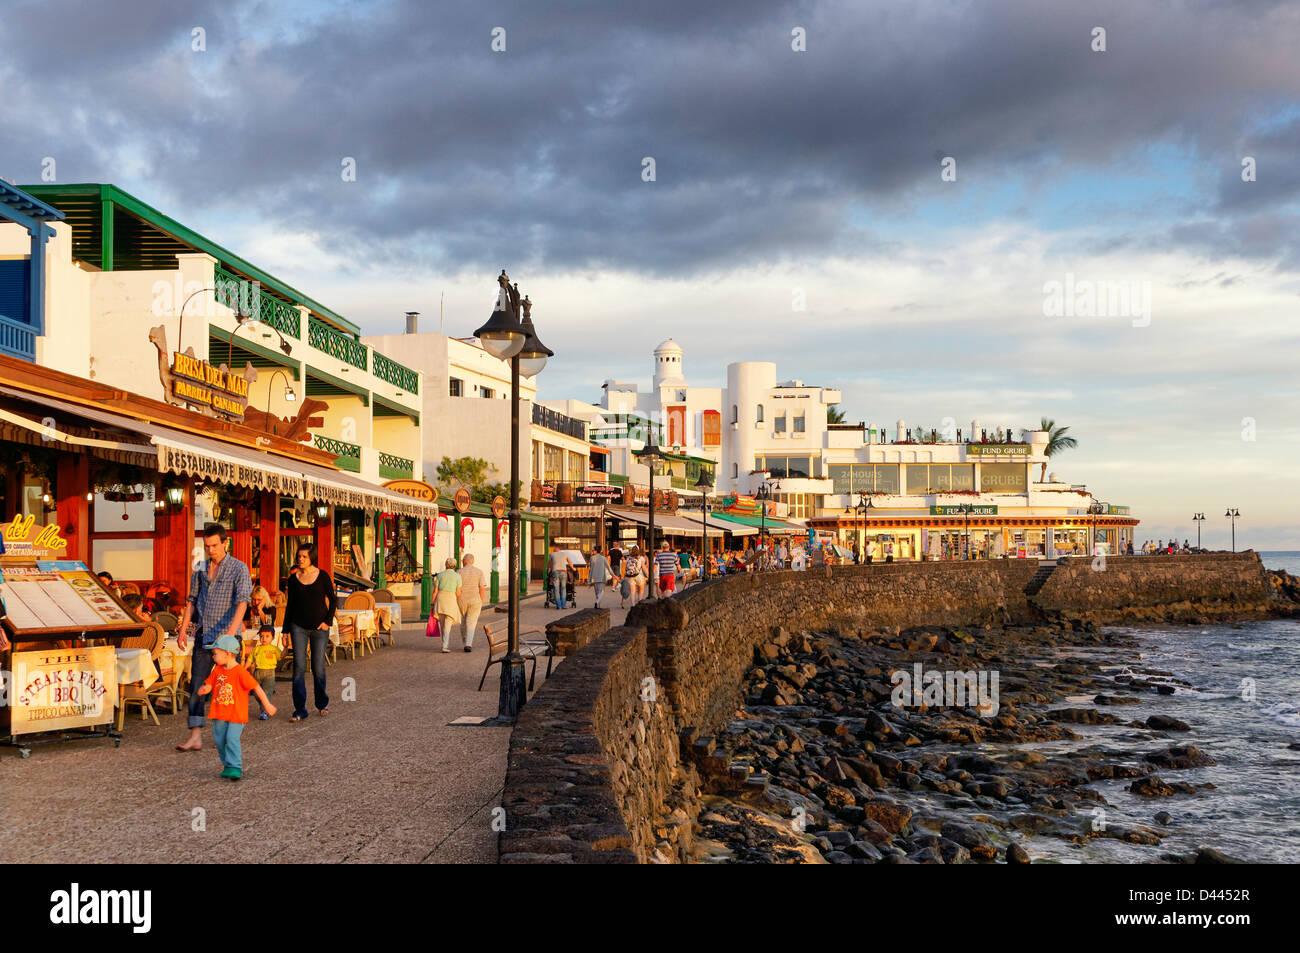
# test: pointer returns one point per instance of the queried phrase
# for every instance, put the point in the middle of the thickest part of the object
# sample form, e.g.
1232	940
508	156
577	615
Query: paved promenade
380	779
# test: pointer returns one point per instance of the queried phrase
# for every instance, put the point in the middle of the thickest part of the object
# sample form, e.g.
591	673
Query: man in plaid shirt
219	592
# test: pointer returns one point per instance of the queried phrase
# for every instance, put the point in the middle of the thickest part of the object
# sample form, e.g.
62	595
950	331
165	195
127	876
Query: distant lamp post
863	509
766	493
966	509
1096	509
1198	519
704	486
650	455
509	335
1232	514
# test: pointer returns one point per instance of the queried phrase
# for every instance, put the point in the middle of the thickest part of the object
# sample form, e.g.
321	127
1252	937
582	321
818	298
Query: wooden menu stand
63	626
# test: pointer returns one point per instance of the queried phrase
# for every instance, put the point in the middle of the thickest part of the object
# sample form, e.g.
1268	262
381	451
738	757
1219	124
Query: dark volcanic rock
1017	854
1165	723
1082	716
1180	756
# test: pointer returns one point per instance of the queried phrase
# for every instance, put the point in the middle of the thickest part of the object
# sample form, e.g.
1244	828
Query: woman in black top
308	613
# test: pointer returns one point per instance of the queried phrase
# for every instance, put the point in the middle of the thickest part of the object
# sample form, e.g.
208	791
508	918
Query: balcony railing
560	423
336	344
399	375
237	294
17	340
347	456
393	467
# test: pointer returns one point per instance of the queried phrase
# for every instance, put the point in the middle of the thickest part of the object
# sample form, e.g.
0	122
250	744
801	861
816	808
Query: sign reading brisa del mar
198	382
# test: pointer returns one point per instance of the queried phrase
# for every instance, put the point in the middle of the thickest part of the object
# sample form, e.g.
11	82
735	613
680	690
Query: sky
894	199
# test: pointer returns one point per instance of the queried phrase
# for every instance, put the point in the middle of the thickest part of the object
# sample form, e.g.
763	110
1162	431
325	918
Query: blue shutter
14	287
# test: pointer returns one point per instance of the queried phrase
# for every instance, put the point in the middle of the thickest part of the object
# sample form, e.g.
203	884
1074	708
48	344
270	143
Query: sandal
323	712
297	717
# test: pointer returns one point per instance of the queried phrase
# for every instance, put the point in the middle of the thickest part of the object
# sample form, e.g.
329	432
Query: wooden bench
498	639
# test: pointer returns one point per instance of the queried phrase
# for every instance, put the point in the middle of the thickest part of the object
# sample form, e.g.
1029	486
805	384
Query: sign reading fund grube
57	689
174	460
215	390
998	449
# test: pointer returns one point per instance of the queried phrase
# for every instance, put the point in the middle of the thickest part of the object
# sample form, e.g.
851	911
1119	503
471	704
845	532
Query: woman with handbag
446	605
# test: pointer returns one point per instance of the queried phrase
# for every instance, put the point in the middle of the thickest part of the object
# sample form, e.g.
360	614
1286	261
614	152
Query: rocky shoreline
823	765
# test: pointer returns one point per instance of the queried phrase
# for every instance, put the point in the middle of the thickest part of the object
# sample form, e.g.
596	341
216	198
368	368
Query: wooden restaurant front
126	484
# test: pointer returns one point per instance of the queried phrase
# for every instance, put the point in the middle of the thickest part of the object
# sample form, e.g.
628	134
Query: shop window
1004	478
457	387
553	464
841	475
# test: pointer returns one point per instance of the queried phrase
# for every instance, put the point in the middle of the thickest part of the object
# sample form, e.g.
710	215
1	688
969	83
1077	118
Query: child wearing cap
262	661
229	683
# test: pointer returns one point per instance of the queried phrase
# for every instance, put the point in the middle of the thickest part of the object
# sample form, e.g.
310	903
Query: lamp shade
503	336
703	484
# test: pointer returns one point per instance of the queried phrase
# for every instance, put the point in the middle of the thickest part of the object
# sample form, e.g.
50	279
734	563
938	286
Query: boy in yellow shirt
262	662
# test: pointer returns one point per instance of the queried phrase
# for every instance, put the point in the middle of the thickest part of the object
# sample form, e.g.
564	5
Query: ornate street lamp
966	509
863	509
510	335
1096	509
1232	514
1198	519
703	485
650	455
766	489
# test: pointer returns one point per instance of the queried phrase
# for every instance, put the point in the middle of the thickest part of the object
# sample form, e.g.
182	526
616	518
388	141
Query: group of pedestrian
1161	548
459	600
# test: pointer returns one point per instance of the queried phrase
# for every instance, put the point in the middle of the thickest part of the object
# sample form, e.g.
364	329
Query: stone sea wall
596	772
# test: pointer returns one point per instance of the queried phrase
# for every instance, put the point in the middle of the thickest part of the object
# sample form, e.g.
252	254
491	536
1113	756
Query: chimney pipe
412	317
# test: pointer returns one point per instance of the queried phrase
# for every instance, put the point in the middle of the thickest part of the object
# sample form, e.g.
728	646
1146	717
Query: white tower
668	366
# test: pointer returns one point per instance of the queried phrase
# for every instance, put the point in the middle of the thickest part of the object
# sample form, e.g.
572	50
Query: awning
200	457
575	511
717	527
665	523
769	525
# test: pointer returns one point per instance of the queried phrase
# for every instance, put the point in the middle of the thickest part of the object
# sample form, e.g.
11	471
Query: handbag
431	630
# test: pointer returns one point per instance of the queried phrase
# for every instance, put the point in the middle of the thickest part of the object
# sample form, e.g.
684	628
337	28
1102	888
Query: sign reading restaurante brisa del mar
217	388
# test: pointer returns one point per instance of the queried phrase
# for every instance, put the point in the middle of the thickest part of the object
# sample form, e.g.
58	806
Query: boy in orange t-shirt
229	683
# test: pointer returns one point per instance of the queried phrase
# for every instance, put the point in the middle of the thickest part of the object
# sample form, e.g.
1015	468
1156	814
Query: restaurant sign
23	538
959	510
58	689
219	470
1113	509
216	391
598	493
998	449
416	489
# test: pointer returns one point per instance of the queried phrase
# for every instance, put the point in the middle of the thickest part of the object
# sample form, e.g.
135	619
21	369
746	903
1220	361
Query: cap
228	643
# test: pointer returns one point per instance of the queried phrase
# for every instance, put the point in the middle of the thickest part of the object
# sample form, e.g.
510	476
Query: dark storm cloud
466	156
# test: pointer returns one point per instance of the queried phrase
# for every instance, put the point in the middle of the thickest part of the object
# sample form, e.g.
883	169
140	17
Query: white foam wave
1283	714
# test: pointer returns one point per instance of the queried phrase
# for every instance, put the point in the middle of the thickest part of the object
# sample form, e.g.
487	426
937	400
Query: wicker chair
381	596
171	669
152	639
360	600
167	620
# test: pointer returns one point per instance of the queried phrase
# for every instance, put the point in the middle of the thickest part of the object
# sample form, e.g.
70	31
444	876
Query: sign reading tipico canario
57	689
958	510
998	449
215	390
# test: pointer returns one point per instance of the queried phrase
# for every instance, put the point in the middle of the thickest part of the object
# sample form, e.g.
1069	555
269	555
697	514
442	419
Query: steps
1040	578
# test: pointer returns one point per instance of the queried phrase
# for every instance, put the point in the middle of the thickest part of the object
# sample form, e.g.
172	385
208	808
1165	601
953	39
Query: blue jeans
559	582
200	668
226	735
299	638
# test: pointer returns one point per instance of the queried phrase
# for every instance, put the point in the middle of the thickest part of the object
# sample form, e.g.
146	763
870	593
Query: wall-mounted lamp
322	511
175	495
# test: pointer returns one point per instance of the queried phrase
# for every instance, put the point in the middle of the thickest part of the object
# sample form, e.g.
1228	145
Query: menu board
59	596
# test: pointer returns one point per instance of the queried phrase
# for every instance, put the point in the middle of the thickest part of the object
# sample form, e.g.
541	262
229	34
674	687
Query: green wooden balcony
337	344
347	456
393	467
235	293
399	375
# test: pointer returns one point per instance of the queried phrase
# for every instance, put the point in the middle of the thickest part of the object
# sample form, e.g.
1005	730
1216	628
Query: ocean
1238	686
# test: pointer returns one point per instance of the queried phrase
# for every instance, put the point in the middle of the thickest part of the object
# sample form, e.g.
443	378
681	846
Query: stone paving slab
383	778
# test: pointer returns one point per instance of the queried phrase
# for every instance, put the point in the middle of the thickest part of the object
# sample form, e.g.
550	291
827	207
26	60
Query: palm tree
1056	442
834	416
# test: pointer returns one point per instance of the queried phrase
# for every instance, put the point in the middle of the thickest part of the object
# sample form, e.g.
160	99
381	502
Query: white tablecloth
394	609
135	665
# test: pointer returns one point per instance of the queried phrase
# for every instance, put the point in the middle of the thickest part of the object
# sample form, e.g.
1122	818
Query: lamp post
764	495
703	485
1096	509
650	454
965	515
510	336
1232	514
863	509
1198	519
289	396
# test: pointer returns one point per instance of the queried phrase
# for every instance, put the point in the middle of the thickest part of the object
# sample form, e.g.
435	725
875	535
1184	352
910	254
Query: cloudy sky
888	210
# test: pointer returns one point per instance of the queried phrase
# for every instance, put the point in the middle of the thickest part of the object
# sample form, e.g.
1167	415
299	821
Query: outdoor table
364	619
133	665
390	617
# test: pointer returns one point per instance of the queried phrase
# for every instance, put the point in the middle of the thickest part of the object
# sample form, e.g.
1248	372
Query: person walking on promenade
558	563
634	575
616	560
219	592
472	596
446	604
229	684
308	615
599	573
666	568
